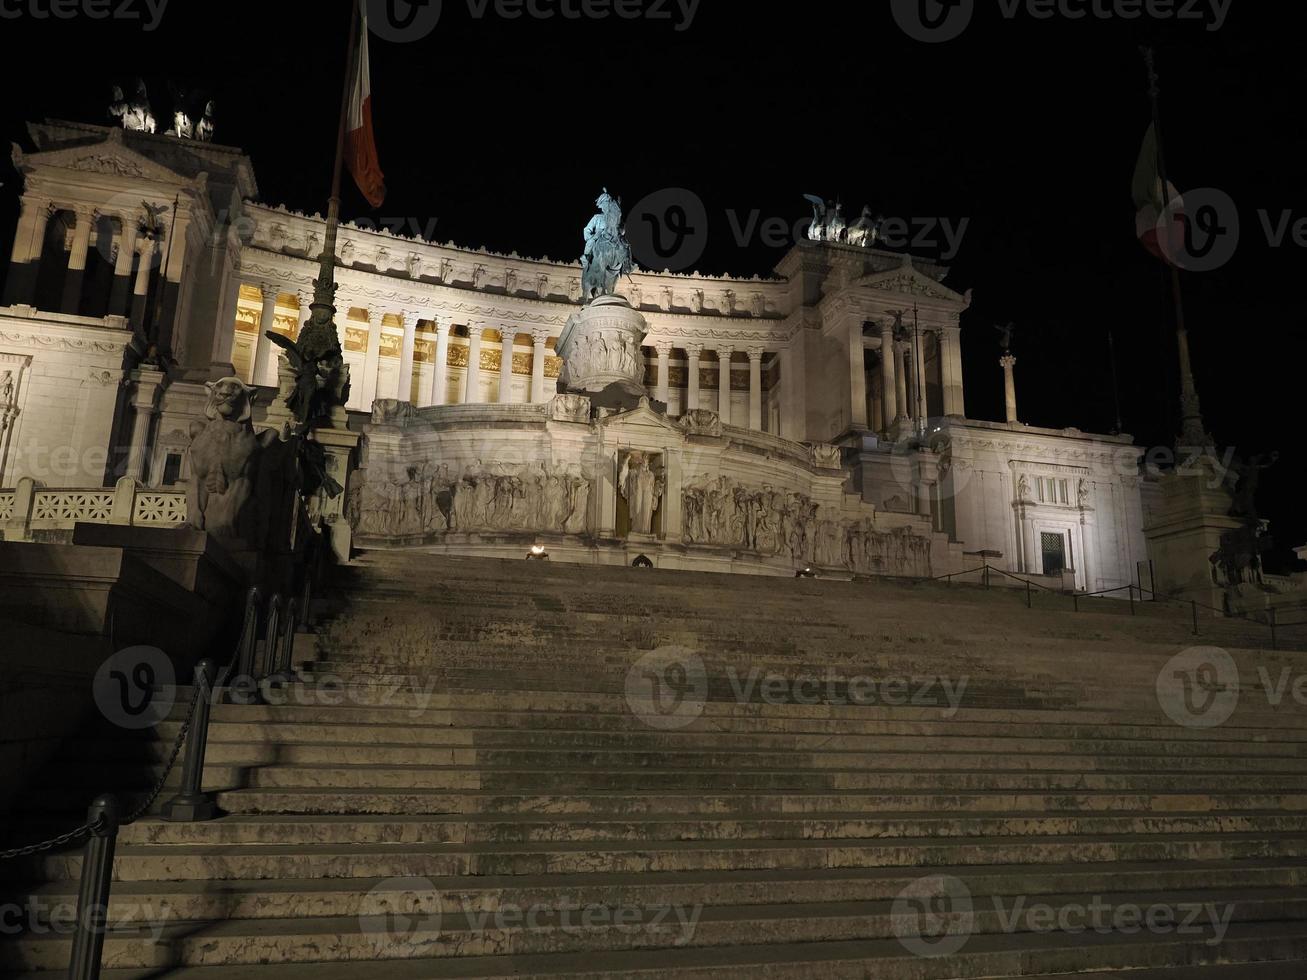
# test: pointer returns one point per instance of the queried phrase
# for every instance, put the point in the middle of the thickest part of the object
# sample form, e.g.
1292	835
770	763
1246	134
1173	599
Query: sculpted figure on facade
774	523
426	500
224	457
830	225
641	484
866	230
135	113
204	128
702	422
607	255
570	408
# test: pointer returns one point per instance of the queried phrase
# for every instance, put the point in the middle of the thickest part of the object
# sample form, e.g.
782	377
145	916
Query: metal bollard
1194	604
1275	641
93	892
1028	605
243	690
192	803
281	671
1132	600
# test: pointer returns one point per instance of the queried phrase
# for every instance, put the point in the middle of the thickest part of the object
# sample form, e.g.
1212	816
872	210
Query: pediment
112	158
909	281
642	417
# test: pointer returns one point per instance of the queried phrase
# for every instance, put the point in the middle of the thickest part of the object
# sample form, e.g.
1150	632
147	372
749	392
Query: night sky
504	131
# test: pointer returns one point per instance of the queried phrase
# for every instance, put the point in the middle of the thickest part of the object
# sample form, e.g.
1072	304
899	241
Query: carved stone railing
30	511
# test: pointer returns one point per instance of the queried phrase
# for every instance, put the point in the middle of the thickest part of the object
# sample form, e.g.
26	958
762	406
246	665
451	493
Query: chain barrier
86	829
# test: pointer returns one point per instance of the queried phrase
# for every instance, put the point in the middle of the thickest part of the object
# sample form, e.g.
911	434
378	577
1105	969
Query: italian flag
360	141
1160	228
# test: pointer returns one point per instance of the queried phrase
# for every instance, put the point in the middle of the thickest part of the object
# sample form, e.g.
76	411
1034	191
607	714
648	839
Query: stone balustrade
30	512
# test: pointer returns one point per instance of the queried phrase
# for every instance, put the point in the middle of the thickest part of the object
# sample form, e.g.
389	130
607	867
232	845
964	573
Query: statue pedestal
1185	528
340	446
601	346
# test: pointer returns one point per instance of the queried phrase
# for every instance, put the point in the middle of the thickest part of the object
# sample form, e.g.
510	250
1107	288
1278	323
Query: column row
693	352
367	376
125	244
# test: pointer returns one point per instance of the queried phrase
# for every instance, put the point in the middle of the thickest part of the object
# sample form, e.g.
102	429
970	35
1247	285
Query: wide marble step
1261	949
248	744
250	861
313	897
558	927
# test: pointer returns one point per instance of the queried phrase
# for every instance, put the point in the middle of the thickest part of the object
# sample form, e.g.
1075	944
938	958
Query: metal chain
86	829
172	761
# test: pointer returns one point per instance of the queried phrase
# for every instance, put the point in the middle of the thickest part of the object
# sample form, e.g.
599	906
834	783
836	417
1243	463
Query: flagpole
1193	433
324	287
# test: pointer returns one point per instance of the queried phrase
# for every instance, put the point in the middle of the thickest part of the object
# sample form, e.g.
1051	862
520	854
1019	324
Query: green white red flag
360	142
1159	218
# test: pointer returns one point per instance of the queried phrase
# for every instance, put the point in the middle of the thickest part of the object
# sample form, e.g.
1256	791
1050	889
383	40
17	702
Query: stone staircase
496	769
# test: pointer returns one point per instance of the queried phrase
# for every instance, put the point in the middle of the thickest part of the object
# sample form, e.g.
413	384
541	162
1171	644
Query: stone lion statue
224	464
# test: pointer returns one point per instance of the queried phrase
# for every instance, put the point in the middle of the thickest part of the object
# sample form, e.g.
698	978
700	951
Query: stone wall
490	480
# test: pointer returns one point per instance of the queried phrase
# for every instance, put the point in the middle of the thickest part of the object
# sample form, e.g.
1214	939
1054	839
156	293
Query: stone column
29	243
265	371
506	338
724	384
539	389
372	361
145	248
755	388
1088	537
409	320
472	383
692	352
901	380
306	300
440	370
663	393
72	296
1009	386
144	399
857	377
950	342
889	385
122	269
794	390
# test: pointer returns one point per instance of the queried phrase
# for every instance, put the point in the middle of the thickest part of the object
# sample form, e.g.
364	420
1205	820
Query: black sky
503	131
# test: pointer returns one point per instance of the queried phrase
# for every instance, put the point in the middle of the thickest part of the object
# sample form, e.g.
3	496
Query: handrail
1272	622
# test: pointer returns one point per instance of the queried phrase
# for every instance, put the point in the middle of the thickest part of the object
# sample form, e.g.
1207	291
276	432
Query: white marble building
843	345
